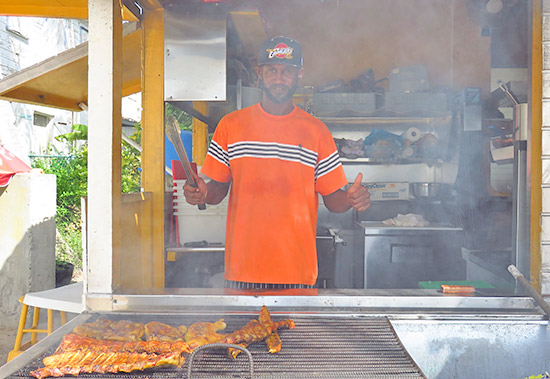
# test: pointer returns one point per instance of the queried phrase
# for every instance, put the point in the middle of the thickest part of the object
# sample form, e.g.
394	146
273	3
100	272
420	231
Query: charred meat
202	333
107	346
77	362
73	342
104	329
155	330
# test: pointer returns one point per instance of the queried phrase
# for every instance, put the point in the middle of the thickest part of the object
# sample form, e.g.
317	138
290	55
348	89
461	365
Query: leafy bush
71	176
72	182
71	173
185	120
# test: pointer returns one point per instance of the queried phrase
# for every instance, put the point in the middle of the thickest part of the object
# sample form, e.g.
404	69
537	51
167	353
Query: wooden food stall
184	52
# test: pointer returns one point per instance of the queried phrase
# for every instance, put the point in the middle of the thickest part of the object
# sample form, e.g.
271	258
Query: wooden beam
104	146
44	99
49	65
152	121
62	81
536	143
51	10
151	4
200	134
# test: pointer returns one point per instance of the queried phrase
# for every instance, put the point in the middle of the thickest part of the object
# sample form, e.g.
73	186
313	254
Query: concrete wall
27	240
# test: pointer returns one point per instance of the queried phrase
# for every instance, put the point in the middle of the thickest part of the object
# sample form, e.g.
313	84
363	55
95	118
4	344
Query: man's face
279	81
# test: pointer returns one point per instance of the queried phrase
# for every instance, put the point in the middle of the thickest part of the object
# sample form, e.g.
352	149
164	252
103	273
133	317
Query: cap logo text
281	50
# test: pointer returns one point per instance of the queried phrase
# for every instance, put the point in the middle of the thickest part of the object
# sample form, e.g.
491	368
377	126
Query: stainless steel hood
195	47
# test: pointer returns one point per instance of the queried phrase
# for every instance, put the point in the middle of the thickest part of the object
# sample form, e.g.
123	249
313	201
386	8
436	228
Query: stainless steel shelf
384	120
378	161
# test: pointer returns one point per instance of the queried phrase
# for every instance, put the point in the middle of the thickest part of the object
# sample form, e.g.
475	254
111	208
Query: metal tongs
530	290
173	132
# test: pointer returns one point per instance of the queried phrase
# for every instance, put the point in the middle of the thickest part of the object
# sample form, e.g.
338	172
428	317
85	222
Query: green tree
72	184
185	120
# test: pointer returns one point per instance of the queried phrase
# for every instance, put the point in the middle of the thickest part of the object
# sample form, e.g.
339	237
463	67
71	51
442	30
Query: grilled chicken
122	330
182	329
274	343
155	330
77	362
257	330
233	353
202	333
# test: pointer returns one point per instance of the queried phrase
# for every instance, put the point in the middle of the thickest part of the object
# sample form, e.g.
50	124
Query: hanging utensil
173	131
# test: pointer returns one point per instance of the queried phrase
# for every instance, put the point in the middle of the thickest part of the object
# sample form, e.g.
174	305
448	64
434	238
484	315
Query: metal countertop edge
330	302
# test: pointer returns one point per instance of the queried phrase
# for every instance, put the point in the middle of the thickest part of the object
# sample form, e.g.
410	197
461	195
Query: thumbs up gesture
358	195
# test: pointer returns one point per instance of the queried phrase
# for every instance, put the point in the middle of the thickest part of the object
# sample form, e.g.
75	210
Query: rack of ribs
77	354
73	342
77	362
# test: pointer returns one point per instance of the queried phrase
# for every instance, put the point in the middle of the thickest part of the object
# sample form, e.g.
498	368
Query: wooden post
104	138
534	151
200	134
152	121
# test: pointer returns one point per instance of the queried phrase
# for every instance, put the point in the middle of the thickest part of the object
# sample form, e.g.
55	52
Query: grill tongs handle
216	346
173	133
530	290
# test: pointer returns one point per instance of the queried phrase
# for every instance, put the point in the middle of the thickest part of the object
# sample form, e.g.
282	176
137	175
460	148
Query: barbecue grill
338	334
327	347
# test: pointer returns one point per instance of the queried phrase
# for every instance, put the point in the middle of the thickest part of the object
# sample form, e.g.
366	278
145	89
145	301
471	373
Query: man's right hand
195	195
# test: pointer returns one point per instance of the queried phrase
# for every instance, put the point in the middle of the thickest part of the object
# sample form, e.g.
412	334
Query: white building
30	129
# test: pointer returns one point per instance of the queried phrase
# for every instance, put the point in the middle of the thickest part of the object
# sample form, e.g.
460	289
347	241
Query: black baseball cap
280	50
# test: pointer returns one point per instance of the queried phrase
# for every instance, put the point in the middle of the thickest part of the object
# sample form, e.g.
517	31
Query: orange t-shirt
277	166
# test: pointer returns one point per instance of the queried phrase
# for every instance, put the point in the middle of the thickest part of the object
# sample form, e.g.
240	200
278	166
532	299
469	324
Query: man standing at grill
276	159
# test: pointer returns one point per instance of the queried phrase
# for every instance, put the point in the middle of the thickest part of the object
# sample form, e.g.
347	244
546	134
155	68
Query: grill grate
324	347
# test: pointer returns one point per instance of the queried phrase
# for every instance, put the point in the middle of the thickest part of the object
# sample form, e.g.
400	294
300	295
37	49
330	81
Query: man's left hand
358	195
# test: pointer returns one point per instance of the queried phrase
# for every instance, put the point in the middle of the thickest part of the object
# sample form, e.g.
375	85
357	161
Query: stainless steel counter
400	256
320	300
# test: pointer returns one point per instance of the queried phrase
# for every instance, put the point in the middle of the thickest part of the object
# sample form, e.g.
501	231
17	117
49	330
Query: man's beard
279	99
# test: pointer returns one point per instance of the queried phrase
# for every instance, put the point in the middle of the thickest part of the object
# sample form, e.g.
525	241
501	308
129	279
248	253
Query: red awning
9	166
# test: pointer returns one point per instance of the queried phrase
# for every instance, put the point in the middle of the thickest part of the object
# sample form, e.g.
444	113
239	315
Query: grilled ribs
77	362
74	342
